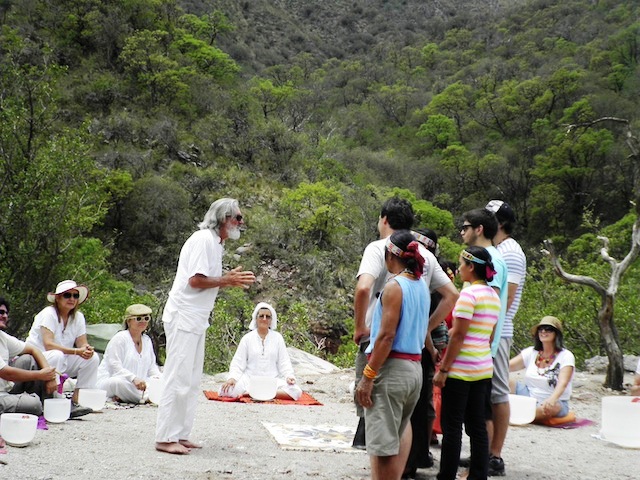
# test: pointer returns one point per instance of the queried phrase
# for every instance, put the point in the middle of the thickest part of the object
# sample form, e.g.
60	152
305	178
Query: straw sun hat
65	286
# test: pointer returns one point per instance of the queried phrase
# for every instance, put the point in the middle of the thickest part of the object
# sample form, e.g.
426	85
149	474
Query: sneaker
427	462
496	467
79	411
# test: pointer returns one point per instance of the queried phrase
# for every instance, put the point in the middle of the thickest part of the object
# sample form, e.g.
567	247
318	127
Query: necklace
542	361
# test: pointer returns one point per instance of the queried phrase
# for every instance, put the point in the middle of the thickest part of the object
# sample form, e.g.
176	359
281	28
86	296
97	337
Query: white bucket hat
274	317
65	286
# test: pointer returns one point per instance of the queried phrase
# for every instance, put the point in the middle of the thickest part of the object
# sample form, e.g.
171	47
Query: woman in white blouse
60	331
549	370
262	352
129	360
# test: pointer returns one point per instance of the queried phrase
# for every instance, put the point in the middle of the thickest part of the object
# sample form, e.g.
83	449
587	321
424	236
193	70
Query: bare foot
189	444
172	447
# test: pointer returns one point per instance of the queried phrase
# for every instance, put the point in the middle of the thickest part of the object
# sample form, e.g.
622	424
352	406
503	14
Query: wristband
369	372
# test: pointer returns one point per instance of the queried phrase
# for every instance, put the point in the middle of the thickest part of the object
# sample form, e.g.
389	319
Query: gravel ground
119	443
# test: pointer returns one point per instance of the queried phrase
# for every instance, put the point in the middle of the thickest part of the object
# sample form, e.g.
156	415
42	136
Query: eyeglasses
464	227
4	312
142	318
264	315
546	328
69	295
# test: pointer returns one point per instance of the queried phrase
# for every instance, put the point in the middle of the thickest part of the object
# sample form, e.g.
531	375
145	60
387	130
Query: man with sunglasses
27	381
186	314
478	228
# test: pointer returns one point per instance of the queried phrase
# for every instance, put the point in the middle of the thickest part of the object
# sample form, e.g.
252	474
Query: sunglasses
69	295
142	318
238	217
4	312
464	228
546	328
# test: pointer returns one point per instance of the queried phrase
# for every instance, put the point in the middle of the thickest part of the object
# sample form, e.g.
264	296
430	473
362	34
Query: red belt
414	357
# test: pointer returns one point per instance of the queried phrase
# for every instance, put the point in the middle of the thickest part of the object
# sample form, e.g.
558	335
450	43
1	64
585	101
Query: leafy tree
316	210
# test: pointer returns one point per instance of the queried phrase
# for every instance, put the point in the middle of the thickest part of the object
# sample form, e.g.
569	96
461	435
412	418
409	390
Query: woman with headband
467	367
392	378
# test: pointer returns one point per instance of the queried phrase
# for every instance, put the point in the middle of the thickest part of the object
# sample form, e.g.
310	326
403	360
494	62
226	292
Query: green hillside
120	121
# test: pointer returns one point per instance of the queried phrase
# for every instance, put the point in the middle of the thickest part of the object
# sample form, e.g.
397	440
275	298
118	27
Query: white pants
122	388
182	376
75	366
242	386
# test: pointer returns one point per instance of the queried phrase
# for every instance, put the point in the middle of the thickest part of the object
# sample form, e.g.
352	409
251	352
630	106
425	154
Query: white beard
233	233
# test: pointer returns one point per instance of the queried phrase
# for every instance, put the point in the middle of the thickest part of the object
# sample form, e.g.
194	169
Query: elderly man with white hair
185	317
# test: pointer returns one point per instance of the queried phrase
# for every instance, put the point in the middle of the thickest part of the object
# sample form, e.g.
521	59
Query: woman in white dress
262	352
129	360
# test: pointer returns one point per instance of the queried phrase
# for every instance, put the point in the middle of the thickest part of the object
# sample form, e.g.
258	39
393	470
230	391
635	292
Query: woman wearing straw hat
59	330
129	360
549	370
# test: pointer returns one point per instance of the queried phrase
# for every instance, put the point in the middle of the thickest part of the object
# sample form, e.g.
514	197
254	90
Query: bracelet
442	370
369	372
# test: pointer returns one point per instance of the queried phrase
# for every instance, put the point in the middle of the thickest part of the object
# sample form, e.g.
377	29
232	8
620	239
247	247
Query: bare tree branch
569	277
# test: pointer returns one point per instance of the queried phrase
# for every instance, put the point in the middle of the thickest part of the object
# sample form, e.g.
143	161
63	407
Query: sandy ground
119	443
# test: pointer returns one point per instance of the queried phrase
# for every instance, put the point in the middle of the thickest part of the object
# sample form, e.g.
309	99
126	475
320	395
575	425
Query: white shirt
121	359
516	262
373	264
255	357
65	336
200	254
537	379
9	347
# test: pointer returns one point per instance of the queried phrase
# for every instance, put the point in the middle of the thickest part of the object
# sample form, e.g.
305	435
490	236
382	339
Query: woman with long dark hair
549	370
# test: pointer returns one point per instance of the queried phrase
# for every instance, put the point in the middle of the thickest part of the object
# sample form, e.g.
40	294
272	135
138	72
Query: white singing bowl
18	429
263	388
621	421
523	409
155	386
92	398
57	410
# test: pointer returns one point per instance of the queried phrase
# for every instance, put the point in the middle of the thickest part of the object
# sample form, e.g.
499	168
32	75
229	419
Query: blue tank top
414	317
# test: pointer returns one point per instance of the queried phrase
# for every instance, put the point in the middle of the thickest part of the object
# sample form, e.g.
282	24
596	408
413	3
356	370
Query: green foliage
316	210
453	106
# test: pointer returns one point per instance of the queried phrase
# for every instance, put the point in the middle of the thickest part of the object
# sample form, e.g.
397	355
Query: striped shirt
480	306
517	270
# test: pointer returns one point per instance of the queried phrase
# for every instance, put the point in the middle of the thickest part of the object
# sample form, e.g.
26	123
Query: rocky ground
119	443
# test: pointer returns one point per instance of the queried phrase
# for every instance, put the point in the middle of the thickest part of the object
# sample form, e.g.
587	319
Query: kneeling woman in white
261	352
129	360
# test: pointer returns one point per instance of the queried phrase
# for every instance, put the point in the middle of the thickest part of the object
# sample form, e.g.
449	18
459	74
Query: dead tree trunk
606	324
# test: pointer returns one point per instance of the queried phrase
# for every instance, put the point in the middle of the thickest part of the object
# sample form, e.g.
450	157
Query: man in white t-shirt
186	318
395	214
22	390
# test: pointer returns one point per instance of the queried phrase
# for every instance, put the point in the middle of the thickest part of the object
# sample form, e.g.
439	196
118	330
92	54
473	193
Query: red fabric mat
305	399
